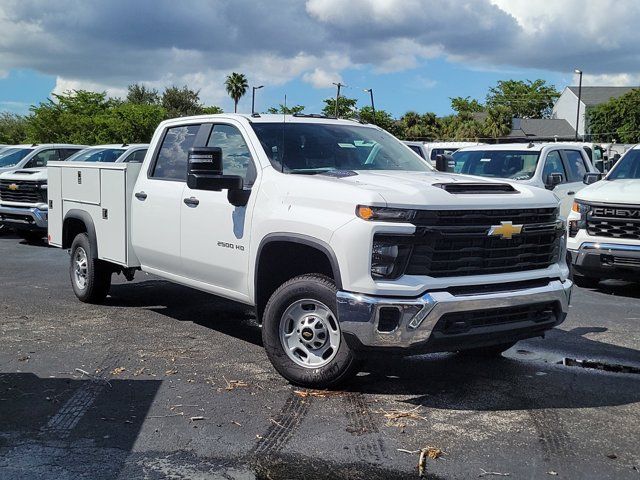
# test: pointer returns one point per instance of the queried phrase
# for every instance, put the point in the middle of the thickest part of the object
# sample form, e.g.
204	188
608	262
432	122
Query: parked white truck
343	240
604	225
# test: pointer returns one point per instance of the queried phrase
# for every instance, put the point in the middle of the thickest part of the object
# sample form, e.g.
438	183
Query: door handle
571	193
191	201
141	196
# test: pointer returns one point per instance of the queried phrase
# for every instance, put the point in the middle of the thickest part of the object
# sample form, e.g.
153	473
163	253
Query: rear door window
575	165
136	157
40	159
171	162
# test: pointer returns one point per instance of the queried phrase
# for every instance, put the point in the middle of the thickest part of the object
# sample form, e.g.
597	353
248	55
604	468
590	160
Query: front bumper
23	218
607	260
421	321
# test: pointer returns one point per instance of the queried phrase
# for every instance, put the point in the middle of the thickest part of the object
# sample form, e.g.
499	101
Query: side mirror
615	159
204	171
591	177
552	180
445	163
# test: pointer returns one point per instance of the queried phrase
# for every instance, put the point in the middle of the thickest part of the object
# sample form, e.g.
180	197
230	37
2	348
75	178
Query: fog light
383	259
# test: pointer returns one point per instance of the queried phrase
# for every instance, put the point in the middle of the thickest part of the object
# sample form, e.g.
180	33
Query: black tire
31	236
585	282
491	351
98	273
320	288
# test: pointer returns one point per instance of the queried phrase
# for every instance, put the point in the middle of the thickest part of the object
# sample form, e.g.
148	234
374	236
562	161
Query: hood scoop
26	172
476	188
340	173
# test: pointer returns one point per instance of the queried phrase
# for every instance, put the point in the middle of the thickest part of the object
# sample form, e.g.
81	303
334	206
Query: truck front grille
614	222
449	244
23	191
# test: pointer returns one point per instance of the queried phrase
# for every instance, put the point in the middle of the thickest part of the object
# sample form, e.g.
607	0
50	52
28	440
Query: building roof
541	128
598	95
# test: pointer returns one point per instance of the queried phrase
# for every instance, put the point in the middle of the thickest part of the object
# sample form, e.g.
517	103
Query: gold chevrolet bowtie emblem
13	186
505	230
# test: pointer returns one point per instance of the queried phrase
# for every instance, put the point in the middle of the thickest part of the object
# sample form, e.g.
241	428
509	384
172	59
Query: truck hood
33	174
623	191
424	189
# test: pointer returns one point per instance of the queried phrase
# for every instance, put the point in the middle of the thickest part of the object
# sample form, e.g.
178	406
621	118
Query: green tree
618	119
281	109
13	128
237	86
181	102
346	107
497	123
382	119
210	110
524	99
141	95
412	125
465	104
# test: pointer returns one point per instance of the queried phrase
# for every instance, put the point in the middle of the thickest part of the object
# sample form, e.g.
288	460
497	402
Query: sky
415	54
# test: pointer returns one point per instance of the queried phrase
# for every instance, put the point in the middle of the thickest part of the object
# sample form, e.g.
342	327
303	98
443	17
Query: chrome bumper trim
609	247
40	217
358	314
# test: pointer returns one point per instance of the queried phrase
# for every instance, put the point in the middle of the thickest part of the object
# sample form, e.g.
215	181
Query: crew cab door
553	163
157	201
215	235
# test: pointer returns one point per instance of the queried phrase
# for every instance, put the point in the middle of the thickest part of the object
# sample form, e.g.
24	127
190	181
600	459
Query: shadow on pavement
63	428
189	305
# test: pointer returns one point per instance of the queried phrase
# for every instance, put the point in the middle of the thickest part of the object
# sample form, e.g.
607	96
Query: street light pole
253	99
338	85
579	72
373	106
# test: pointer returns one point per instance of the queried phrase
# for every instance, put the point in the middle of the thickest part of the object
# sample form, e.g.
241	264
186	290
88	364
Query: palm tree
236	85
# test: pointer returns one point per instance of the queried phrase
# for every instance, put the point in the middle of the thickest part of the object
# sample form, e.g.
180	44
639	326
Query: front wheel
90	277
302	336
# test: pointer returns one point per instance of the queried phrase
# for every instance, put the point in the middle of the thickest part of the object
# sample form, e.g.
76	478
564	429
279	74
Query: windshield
12	156
513	164
317	148
97	155
627	167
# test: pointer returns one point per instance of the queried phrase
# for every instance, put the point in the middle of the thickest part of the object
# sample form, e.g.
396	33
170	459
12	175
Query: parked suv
604	225
23	186
343	240
554	166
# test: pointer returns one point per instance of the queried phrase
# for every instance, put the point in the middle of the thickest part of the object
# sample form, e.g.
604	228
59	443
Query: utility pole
373	106
253	99
338	85
579	72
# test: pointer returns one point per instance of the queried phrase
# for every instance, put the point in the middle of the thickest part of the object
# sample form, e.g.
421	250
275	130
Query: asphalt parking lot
167	382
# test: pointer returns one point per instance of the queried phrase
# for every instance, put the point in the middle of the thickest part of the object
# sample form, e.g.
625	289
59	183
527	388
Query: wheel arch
75	222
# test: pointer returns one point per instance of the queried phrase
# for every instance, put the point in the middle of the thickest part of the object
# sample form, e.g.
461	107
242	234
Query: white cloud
320	78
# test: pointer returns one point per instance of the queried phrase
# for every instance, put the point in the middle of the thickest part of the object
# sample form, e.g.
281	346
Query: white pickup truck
604	225
343	240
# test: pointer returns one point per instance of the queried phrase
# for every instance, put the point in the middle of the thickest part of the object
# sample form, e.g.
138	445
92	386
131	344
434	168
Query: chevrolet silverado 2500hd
343	239
604	225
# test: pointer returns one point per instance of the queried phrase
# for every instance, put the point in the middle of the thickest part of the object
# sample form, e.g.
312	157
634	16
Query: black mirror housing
553	179
591	177
445	163
204	171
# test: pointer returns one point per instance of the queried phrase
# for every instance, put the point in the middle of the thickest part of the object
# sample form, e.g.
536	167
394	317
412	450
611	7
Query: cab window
40	159
553	164
136	157
575	165
416	149
236	158
171	162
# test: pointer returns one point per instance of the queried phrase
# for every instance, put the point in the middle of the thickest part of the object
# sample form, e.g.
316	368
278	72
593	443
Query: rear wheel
488	352
302	336
90	277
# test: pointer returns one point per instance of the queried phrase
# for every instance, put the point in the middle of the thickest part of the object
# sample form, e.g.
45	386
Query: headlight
388	259
575	225
385	214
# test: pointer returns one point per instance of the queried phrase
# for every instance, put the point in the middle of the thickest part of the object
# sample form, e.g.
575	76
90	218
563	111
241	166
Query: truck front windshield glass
316	148
513	164
627	167
12	156
97	155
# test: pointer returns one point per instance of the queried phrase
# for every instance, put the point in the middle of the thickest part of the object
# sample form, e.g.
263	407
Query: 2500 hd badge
232	246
